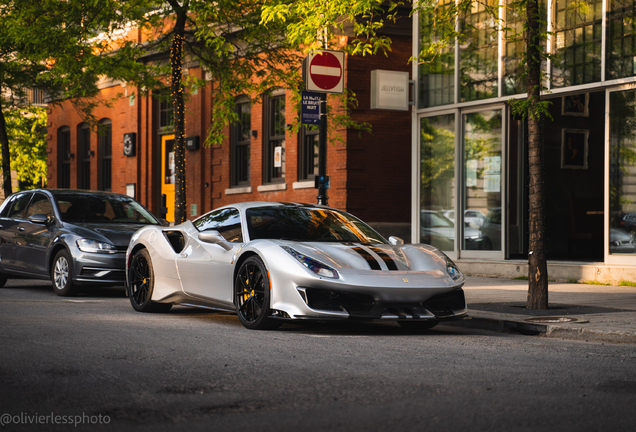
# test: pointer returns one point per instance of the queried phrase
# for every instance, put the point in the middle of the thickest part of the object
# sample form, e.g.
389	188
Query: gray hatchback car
73	237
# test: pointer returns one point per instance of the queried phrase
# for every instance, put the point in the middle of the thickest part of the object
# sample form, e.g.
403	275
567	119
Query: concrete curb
559	331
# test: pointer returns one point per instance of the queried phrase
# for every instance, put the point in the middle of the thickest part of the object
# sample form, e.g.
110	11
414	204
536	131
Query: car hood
117	234
373	257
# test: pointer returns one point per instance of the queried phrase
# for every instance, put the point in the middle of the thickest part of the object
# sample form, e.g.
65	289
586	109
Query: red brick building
370	174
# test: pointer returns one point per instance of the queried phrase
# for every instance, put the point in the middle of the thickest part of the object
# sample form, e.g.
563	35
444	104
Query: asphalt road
94	361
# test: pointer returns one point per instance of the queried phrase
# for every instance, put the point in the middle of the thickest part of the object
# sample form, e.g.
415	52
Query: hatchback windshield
308	224
102	208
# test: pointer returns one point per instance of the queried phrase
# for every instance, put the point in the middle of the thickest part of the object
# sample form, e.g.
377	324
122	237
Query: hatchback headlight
317	267
94	246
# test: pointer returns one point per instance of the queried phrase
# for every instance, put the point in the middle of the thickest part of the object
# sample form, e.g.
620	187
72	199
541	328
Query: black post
322	151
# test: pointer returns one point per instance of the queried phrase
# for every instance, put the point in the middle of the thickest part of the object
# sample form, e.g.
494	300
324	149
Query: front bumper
103	269
343	304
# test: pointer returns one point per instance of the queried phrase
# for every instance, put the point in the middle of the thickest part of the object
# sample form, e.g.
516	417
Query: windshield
102	208
308	224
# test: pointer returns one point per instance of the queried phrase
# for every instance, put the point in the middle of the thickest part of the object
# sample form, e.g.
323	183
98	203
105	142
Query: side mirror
163	222
214	237
39	218
395	241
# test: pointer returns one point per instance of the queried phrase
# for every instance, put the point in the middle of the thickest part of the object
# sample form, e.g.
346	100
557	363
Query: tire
62	275
251	294
141	284
418	324
3	279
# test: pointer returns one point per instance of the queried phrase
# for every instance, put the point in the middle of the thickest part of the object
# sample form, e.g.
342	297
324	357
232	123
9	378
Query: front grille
445	304
337	301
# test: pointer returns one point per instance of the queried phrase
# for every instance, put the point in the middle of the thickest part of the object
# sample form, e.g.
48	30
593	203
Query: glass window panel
437	191
437	70
478	56
482	184
513	69
621	35
575	43
622	232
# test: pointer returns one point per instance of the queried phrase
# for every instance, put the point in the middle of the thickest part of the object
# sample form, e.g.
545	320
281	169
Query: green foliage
26	130
314	24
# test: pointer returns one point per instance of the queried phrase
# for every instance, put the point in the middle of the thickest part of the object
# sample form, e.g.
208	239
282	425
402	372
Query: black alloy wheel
62	275
252	293
141	283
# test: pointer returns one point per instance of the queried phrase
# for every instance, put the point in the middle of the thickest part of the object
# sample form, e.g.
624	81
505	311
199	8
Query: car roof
253	204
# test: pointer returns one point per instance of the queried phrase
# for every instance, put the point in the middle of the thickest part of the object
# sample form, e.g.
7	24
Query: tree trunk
6	156
537	262
176	61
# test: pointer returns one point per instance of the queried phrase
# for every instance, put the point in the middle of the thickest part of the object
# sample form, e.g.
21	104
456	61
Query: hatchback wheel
62	275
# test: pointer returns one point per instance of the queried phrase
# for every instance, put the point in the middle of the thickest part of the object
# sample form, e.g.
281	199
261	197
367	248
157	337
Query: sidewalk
577	311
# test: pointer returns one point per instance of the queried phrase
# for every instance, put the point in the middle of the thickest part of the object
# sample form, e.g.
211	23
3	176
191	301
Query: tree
53	45
26	131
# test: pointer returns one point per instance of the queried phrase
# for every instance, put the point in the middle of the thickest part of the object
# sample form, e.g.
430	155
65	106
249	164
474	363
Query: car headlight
94	246
319	268
452	270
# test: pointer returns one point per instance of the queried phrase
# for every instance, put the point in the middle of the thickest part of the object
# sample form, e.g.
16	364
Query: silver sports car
271	262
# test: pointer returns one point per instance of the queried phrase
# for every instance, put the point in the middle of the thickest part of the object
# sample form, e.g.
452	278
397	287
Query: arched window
105	155
83	156
64	157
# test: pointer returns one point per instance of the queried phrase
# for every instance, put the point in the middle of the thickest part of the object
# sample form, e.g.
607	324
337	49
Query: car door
34	238
206	269
10	227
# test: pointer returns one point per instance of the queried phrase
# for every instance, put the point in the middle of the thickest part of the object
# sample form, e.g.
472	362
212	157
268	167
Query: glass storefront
472	184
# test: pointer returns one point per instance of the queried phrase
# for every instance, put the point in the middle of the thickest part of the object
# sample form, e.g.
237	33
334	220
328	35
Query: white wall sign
389	90
278	157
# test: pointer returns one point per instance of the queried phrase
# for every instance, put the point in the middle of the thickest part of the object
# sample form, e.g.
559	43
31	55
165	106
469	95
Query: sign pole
323	72
322	152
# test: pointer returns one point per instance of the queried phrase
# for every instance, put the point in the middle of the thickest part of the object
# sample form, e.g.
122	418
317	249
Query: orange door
168	174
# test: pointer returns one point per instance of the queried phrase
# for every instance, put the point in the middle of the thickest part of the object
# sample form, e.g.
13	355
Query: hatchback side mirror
214	237
39	218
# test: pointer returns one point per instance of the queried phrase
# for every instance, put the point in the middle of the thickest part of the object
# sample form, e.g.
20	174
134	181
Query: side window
7	206
40	204
18	206
226	221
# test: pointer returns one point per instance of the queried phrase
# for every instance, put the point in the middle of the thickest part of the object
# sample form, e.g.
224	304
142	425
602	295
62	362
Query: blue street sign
310	111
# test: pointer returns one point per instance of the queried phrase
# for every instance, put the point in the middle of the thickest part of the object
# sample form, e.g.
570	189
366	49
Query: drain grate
551	320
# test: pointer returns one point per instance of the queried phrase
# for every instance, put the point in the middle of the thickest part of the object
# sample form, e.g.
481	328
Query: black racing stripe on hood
385	257
368	257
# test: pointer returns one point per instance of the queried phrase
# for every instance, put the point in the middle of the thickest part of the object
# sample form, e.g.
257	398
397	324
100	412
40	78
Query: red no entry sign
324	72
